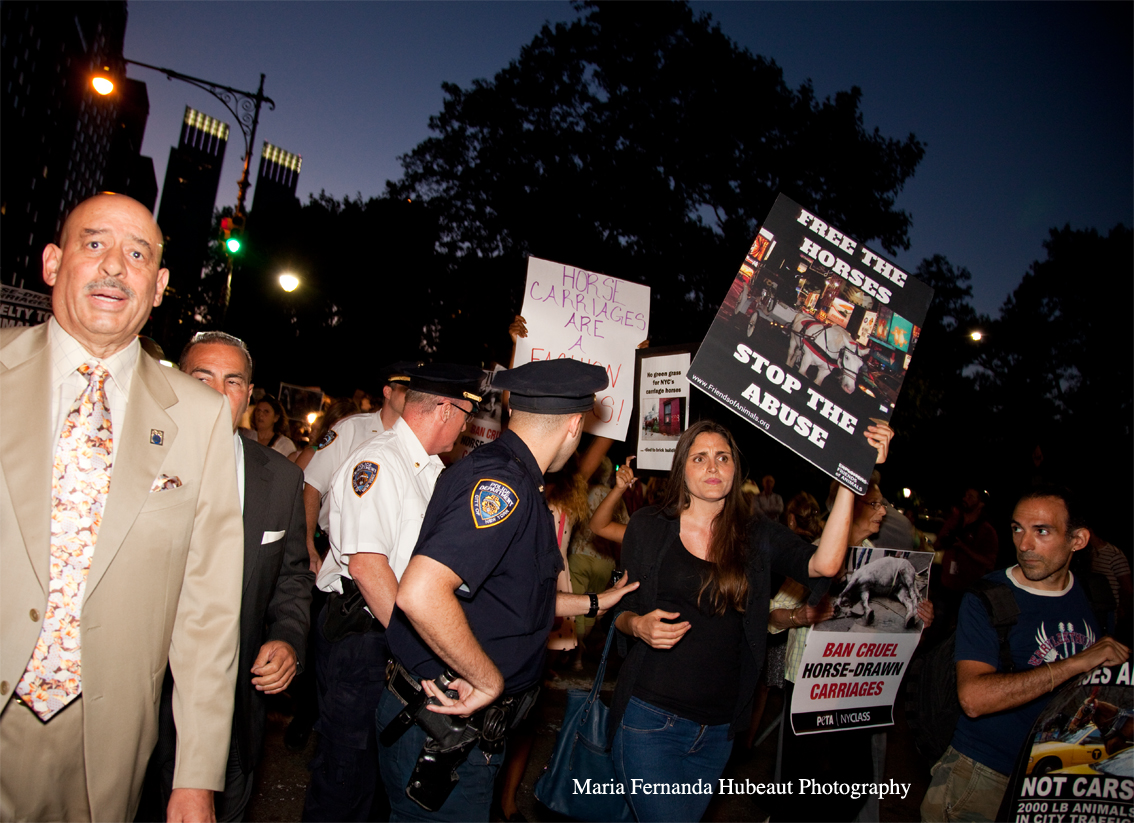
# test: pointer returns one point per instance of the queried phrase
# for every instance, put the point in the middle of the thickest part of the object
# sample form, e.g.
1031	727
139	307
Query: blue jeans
471	797
654	746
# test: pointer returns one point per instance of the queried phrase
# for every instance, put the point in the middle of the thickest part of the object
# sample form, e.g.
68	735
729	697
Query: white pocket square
164	482
272	537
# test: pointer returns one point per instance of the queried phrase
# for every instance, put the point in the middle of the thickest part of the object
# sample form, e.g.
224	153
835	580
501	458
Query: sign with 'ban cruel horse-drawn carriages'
854	662
813	341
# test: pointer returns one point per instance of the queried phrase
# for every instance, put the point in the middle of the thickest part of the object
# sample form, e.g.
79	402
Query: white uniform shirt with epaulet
377	501
334	448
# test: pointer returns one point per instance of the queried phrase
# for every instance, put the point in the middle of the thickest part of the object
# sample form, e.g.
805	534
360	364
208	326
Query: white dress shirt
67	354
386	516
238	442
349	433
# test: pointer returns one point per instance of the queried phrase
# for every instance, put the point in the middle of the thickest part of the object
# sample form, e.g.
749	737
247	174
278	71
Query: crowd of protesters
591	513
409	589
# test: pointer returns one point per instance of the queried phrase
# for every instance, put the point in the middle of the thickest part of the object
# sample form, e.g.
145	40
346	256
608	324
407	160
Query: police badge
365	473
492	502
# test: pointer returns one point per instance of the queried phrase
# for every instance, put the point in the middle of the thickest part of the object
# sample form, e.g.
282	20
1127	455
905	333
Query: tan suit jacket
164	581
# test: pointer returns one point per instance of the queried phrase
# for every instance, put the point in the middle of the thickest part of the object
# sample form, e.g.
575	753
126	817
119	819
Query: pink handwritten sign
596	318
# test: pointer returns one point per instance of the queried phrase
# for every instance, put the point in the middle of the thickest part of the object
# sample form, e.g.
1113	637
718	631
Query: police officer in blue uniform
377	499
477	600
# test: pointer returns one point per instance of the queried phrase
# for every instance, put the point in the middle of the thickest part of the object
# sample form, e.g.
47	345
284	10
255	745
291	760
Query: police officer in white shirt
377	499
336	445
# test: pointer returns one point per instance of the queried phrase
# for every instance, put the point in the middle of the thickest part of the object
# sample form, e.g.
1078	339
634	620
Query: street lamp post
245	107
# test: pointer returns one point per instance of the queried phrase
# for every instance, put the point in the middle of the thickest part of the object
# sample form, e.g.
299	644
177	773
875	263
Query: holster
448	737
346	613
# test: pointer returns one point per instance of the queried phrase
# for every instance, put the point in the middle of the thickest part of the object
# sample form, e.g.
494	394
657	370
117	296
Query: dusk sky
1027	110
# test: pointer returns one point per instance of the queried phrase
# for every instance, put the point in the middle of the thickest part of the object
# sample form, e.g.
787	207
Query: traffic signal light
232	230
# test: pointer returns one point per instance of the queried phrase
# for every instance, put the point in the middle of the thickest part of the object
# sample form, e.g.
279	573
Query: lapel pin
157	437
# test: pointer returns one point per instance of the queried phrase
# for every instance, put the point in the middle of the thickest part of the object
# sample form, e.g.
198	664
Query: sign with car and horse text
1078	763
813	341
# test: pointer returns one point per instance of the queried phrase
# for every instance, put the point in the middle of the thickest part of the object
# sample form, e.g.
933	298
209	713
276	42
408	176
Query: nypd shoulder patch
492	502
365	473
327	439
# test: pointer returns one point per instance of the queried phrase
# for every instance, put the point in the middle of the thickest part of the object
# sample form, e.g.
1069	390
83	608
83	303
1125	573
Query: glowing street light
289	282
976	336
244	105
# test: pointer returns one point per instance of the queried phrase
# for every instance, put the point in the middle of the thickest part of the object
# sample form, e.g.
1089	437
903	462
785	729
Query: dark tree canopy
1057	345
646	144
366	268
1053	371
1058	363
939	389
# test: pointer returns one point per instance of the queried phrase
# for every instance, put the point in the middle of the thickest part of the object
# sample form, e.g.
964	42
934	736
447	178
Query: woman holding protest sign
853	756
702	608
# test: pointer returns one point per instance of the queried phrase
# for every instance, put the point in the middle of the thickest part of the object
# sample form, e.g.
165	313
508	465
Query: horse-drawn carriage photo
813	340
1082	730
830	327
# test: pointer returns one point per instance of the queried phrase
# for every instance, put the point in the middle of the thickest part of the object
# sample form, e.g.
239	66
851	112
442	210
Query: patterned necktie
79	483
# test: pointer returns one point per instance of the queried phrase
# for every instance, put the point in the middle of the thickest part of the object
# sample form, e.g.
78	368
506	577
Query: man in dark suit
161	582
276	595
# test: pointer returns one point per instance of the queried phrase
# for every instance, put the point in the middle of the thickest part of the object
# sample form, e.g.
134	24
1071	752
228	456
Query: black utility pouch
346	613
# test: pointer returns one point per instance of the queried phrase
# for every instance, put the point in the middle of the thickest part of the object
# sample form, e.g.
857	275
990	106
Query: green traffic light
233	245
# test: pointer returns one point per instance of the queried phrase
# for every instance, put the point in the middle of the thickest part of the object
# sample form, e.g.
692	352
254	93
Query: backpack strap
1101	596
1003	612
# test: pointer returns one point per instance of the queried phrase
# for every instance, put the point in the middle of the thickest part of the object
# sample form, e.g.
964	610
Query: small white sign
663	409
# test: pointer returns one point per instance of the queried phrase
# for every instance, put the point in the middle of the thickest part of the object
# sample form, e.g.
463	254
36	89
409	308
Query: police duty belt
449	738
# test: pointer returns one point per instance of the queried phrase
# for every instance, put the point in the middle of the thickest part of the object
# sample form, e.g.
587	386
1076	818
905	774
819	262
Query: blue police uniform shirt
488	522
1051	626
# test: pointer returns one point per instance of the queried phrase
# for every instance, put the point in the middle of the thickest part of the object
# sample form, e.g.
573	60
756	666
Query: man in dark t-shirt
1055	639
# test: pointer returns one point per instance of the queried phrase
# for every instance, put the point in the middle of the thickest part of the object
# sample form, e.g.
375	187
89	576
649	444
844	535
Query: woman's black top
712	648
651	536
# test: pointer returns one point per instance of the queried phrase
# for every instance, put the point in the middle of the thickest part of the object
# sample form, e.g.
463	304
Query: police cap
444	380
396	372
561	386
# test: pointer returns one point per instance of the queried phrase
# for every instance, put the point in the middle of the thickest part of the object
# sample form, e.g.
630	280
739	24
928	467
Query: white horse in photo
827	347
887	577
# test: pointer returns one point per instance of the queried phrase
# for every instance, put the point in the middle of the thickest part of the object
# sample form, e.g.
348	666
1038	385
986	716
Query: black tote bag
582	751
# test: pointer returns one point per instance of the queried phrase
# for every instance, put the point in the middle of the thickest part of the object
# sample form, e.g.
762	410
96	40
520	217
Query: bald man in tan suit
164	577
